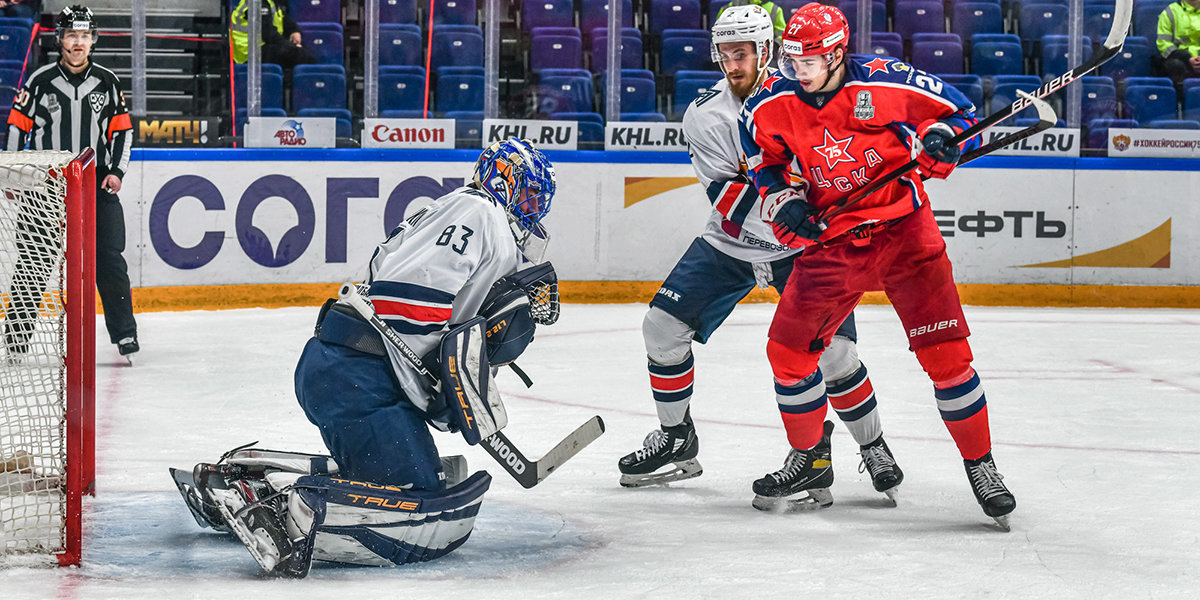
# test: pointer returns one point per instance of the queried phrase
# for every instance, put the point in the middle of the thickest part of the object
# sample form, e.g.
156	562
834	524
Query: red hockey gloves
792	219
938	156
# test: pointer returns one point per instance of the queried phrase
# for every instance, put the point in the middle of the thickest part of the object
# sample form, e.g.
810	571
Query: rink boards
286	222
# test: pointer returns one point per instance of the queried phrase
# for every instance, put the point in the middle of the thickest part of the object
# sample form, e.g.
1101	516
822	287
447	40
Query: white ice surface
1094	416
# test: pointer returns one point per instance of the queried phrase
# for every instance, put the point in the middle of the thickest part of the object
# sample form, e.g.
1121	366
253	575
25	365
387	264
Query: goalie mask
520	178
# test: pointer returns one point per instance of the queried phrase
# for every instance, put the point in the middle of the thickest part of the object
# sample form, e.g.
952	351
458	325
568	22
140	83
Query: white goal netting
33	374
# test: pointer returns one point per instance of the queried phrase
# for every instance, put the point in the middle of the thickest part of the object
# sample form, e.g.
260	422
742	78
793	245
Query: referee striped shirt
61	110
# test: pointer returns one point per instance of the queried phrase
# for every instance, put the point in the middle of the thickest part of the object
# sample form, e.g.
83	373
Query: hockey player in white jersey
466	264
736	251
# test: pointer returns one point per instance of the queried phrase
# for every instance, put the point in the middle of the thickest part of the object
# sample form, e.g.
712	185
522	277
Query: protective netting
33	190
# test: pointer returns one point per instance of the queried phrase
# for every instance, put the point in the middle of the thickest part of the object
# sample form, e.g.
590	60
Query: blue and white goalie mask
521	179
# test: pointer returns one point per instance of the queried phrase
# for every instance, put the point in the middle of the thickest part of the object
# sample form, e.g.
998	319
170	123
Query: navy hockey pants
370	428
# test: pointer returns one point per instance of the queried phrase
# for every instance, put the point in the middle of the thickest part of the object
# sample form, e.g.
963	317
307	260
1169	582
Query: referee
70	105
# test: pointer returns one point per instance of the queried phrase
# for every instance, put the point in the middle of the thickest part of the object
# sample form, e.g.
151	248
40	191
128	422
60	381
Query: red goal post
47	363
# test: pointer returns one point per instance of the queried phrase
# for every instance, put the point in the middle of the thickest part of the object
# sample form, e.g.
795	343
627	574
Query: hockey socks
671	386
964	410
803	409
853	398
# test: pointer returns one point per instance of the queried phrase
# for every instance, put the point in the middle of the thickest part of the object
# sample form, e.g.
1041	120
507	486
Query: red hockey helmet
815	29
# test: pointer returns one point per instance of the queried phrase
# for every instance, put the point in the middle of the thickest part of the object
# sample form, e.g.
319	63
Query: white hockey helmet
751	23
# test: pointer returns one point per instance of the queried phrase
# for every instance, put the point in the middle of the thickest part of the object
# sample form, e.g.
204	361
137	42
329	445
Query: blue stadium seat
591	125
341	114
12	77
401	91
326	46
1056	59
878	14
715	7
883	43
1097	136
631	52
971	86
319	68
996	54
1145	103
329	11
1132	61
969	18
1097	20
1004	90
570	94
1031	121
459	93
16	22
1099	98
468	126
18	64
457	48
1145	17
565	73
271	89
687	89
14	42
918	16
637	95
454	12
1152	81
308	26
547	13
937	52
404	114
555	51
645	117
400	44
1038	20
685	49
594	14
318	90
397	11
1191	99
673	14
1173	124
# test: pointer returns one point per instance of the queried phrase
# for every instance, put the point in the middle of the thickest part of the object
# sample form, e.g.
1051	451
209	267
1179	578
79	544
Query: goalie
455	282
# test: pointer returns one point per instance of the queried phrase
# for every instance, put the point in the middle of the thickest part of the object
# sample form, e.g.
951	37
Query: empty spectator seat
937	52
673	14
397	11
970	18
547	13
685	49
328	11
1056	58
919	16
457	47
1133	60
400	44
555	51
459	92
996	54
1149	102
318	90
454	12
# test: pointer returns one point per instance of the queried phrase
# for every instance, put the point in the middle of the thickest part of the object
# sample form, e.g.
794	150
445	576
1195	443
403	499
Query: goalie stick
1122	13
527	472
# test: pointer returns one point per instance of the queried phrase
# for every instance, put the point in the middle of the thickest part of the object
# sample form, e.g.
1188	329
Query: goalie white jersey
433	272
711	128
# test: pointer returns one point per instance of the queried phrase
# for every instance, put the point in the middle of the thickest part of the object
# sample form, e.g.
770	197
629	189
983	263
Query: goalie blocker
290	508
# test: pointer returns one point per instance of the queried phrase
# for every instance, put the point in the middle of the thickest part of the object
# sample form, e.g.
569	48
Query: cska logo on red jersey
835	151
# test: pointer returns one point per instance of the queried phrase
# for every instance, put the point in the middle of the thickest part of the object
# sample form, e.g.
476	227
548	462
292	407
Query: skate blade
1002	523
815	499
681	471
891	494
247	537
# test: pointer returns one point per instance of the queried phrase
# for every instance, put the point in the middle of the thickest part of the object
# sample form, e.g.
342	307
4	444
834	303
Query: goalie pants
369	426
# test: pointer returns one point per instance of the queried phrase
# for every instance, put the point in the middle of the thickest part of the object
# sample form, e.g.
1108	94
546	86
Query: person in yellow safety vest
778	18
1179	39
280	38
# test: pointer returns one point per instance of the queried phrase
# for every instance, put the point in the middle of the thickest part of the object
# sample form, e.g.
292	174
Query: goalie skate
807	472
667	455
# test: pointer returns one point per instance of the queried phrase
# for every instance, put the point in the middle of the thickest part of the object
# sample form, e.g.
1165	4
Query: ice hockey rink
1094	416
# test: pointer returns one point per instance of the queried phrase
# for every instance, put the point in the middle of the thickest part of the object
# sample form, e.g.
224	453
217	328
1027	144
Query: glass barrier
493	62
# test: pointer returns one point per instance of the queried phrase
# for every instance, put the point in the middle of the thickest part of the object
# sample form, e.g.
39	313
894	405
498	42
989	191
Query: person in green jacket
280	37
1179	39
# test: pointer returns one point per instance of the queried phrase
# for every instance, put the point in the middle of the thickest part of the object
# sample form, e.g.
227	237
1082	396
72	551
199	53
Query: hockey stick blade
1046	120
529	473
1122	13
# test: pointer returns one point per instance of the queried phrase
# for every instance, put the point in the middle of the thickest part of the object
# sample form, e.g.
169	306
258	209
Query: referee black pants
112	273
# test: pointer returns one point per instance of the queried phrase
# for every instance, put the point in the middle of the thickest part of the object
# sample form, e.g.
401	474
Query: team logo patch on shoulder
900	67
877	64
863	109
98	100
50	101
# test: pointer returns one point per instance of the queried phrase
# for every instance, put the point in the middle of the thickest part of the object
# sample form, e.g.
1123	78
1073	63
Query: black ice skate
995	499
804	471
877	460
127	347
675	447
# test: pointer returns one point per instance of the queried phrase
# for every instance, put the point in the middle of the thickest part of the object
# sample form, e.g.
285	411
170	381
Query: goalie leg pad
470	392
371	524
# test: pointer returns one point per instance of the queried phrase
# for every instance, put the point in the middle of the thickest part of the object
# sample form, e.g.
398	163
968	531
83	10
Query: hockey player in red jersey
827	126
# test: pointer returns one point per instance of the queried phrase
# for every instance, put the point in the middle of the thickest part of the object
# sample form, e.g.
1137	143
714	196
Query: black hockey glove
796	224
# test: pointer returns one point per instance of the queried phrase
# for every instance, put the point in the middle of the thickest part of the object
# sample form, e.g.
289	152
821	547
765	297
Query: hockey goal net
47	353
